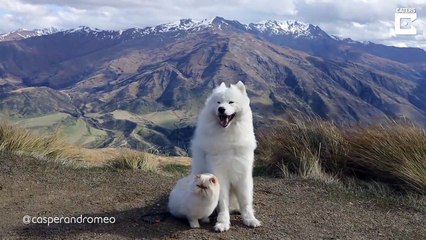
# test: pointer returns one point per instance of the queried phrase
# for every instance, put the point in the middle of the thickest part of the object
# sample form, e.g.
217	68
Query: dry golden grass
391	153
307	148
134	160
51	147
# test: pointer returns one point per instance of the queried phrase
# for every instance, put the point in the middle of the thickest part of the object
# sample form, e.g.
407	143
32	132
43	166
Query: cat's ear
213	180
198	176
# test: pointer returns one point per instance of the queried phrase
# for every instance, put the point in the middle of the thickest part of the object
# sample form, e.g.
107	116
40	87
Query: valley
143	87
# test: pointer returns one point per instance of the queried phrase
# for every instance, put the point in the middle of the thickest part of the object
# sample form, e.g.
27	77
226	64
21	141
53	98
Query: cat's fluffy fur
194	197
224	144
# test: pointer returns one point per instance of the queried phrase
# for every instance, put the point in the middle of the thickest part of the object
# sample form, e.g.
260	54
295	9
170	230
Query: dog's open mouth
225	120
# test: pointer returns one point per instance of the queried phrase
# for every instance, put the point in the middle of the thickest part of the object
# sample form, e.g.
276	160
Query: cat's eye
231	102
218	102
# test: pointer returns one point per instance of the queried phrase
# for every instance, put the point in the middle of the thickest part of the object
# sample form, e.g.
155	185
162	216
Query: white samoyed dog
223	145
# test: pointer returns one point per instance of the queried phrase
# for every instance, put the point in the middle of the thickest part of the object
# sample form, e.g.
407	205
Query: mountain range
143	87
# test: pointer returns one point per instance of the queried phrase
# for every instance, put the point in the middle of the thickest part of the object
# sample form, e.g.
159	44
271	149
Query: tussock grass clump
134	160
50	147
392	153
309	148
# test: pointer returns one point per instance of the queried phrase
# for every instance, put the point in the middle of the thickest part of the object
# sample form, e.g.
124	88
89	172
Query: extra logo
404	17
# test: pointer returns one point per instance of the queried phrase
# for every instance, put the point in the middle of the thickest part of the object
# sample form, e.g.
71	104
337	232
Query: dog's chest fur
232	156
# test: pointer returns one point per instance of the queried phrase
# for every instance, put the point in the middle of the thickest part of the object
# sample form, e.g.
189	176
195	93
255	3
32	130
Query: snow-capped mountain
83	29
293	34
181	25
295	29
24	34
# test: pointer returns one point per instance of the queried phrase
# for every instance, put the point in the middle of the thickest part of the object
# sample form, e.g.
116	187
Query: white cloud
358	19
371	20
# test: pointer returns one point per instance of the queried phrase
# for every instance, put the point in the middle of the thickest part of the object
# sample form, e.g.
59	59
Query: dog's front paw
221	227
252	222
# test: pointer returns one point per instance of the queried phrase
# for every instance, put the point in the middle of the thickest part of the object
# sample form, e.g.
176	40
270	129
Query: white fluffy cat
194	198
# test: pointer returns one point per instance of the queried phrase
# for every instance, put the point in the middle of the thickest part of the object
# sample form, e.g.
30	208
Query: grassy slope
42	121
73	130
167	119
79	132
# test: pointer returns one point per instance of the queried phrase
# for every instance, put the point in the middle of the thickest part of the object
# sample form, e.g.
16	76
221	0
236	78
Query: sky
362	20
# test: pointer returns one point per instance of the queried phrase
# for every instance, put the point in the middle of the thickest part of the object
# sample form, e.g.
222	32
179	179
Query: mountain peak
297	29
186	24
85	29
191	25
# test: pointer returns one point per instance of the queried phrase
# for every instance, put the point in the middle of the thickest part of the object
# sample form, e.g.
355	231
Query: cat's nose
221	109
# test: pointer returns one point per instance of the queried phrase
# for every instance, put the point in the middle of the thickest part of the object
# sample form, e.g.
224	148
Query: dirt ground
288	208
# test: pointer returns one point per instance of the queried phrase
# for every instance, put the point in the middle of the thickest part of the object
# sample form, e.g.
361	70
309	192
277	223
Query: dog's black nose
221	109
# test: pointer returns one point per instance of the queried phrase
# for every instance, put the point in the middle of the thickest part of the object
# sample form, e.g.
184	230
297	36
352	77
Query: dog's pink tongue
224	121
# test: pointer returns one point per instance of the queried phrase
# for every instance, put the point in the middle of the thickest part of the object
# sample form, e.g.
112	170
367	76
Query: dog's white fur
188	200
228	153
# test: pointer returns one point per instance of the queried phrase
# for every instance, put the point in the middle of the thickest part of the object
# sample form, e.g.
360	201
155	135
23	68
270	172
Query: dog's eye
218	102
231	102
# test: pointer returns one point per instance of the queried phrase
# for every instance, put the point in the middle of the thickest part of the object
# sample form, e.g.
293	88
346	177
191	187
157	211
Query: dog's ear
241	87
220	88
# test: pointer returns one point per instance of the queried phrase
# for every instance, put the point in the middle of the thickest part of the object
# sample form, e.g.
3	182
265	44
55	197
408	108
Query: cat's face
205	184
